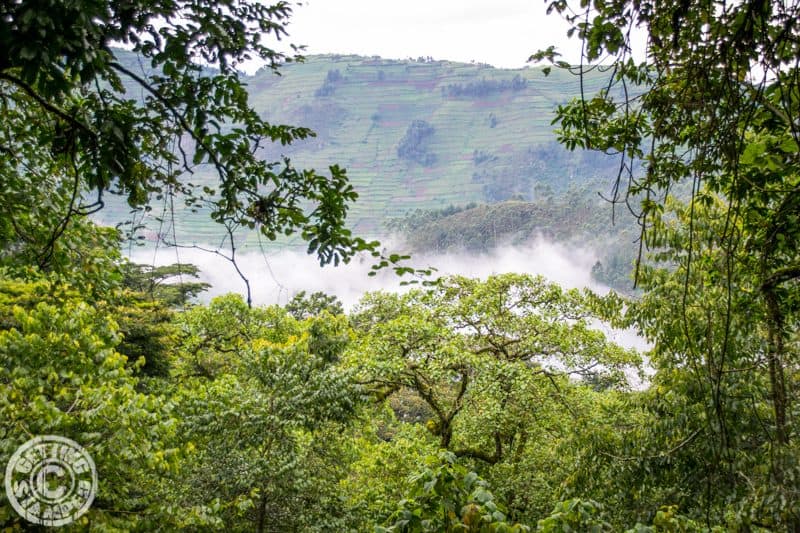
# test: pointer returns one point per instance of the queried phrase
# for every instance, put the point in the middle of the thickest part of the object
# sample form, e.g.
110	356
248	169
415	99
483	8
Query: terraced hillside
413	135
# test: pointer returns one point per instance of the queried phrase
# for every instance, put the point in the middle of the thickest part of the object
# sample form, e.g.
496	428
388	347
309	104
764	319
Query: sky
502	33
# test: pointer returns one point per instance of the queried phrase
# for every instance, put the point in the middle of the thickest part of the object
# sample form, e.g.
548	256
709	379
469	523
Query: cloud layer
276	277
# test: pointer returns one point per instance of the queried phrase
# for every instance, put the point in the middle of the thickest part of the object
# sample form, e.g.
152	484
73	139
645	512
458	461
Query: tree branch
781	275
176	114
483	456
45	104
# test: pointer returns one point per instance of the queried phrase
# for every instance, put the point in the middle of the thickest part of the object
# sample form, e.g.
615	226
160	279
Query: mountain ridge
413	134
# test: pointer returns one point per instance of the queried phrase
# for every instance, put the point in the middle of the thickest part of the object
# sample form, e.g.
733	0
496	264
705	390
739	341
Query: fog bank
276	277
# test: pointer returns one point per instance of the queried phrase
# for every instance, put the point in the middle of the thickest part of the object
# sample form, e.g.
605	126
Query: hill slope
414	135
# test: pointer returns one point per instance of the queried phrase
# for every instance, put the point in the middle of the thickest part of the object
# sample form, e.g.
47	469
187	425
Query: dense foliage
713	105
463	405
82	122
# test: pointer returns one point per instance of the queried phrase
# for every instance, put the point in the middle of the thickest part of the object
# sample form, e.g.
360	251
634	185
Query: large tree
709	111
82	118
486	366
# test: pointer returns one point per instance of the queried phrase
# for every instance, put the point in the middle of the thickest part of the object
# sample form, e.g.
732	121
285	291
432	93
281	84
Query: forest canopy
461	405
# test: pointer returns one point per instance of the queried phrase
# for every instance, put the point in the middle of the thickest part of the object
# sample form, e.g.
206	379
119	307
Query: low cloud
276	277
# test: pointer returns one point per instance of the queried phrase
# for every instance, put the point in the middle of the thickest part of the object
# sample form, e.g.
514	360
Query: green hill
412	135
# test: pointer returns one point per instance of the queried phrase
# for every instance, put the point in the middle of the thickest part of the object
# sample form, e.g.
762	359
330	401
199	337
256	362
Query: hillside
412	135
578	218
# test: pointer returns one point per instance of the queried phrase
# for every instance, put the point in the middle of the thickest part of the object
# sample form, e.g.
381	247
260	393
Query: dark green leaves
135	124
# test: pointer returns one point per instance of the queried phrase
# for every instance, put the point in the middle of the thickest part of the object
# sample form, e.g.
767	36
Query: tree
85	119
414	144
487	358
165	283
302	306
87	393
711	112
262	407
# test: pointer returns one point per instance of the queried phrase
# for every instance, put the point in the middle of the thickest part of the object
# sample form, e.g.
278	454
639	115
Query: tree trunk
262	512
775	349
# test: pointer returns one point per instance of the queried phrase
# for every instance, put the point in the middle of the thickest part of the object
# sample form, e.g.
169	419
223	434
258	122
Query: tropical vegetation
461	404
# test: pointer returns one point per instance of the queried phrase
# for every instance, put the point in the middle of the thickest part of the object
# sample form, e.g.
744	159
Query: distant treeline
576	218
484	87
329	85
414	144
